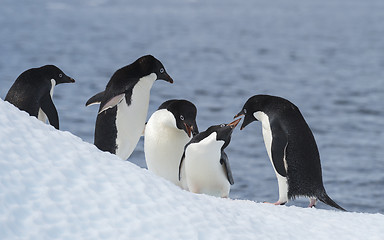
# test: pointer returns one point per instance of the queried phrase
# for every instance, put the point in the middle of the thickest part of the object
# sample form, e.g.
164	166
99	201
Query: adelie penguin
124	105
204	167
167	132
291	148
33	89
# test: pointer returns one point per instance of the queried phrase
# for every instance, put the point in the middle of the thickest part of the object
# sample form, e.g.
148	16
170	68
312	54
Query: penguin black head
267	104
53	72
184	113
254	104
223	131
149	64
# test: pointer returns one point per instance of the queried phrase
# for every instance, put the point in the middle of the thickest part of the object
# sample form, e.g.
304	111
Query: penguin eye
182	117
245	111
222	125
60	75
161	70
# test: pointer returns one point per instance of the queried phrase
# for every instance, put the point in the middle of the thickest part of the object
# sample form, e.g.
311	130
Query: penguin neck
267	132
165	123
53	84
211	142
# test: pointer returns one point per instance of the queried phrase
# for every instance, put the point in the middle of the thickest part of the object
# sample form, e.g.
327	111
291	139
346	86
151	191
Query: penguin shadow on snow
32	92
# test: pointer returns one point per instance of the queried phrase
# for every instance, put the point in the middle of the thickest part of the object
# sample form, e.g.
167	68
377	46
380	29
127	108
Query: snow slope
55	186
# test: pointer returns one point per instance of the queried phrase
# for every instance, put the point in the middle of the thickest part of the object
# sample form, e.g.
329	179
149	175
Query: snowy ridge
55	186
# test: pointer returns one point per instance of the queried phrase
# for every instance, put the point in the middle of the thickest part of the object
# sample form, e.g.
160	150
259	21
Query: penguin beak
195	129
234	123
166	77
188	129
247	120
71	80
241	113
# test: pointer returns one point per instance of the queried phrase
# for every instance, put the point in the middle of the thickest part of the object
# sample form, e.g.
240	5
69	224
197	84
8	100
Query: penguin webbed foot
312	202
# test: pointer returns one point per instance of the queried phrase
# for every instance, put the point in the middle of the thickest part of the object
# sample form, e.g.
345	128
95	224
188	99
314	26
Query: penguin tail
327	200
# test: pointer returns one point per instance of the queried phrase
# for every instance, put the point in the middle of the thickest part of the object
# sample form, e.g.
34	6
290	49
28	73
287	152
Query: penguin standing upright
167	132
124	105
33	89
291	148
205	164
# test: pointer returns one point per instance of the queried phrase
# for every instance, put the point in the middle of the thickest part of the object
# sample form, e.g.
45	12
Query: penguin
167	132
291	148
204	166
124	105
32	92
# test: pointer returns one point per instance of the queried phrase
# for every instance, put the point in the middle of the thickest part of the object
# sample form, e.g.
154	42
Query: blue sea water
325	56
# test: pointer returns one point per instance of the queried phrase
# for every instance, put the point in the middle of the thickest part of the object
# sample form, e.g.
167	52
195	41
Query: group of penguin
173	146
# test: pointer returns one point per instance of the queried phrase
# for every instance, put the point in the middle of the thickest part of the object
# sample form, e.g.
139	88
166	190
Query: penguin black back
293	142
31	91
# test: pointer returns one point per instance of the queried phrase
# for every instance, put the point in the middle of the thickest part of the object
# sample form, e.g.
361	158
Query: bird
167	131
204	167
124	105
291	148
32	92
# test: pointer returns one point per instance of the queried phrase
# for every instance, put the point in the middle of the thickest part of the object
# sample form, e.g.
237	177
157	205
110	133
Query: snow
53	185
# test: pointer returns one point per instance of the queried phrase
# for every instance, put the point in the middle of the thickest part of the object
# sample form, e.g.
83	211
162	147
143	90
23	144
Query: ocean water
325	56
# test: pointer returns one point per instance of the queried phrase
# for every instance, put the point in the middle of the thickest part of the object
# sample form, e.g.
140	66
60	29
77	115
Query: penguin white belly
164	146
41	115
267	135
130	120
204	173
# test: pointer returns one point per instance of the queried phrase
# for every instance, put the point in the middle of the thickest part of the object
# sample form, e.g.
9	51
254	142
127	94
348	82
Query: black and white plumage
204	167
291	148
33	90
167	132
124	105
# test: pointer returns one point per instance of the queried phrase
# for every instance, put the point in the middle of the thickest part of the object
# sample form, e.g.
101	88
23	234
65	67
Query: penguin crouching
33	90
167	132
291	148
205	164
124	105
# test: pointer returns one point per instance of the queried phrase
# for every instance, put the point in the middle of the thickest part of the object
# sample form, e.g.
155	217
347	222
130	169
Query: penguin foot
312	202
277	203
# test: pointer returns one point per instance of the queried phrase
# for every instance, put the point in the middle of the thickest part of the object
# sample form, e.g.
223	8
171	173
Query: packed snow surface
55	186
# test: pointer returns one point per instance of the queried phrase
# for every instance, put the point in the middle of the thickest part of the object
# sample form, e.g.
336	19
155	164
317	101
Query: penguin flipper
224	161
278	148
95	99
181	162
112	102
49	109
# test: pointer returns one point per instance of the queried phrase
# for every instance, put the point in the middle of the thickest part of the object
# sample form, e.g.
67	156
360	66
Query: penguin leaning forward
291	148
167	132
33	90
124	105
204	167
